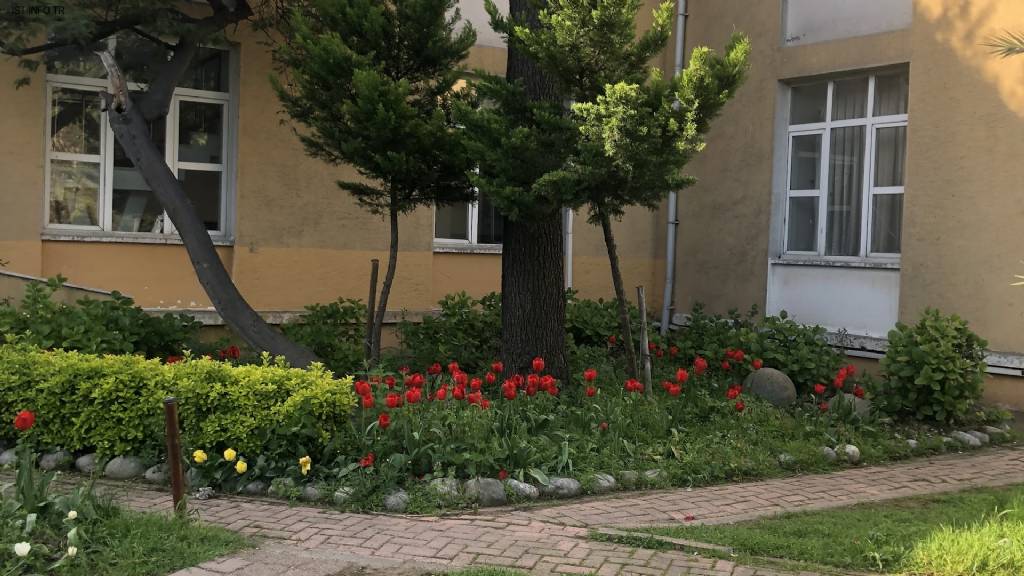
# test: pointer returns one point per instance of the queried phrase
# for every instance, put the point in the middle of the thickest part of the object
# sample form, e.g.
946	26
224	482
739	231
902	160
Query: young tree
636	130
372	83
172	33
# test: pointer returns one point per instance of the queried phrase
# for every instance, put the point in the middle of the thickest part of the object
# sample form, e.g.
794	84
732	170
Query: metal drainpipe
567	217
673	197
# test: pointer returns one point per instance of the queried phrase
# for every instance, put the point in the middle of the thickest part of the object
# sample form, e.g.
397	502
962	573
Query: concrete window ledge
86	236
830	263
446	248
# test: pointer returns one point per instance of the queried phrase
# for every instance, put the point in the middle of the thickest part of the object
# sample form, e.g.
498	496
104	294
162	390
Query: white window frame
871	124
472	231
105	229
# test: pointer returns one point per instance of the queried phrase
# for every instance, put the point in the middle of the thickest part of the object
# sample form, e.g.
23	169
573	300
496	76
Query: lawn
970	533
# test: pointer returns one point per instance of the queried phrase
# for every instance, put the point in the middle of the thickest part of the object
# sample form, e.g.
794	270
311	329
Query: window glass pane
489	226
891	92
200	132
208	71
805	162
134	207
886	223
845	186
890	153
807	103
74	192
802	224
76	61
203	189
452	222
850	98
75	121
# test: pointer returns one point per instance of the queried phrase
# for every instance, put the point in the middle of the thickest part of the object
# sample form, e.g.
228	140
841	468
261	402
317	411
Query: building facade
866	170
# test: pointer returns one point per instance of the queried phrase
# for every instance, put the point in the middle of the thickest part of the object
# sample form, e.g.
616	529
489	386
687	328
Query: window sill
829	263
446	248
89	236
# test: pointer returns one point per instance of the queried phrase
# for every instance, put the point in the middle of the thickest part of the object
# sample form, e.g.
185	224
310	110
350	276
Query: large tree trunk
532	273
385	289
130	129
620	294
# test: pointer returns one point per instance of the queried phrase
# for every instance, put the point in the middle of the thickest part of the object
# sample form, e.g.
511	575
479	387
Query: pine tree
635	130
372	83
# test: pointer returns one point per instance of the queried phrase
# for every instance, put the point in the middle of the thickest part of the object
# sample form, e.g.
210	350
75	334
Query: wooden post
645	353
174	454
371	307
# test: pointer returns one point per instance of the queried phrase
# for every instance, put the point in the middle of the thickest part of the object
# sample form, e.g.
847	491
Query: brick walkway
553	540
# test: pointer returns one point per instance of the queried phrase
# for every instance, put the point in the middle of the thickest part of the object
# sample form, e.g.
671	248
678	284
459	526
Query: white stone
912	443
965	439
850	452
561	488
125	468
8	457
156	474
486	491
785	460
397	501
310	493
829	454
255	488
981	436
342	495
601	483
59	460
86	464
629	478
522	489
446	489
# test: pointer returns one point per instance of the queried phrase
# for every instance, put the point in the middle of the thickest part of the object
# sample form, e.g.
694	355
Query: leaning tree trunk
620	294
131	131
532	273
385	289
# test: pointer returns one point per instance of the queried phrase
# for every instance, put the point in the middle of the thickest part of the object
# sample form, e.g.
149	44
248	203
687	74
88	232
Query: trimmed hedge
114	403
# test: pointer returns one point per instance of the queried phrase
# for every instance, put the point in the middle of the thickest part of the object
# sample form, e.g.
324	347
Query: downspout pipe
673	197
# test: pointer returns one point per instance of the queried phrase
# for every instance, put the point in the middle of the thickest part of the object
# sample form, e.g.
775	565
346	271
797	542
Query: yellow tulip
305	463
241	466
230	455
199	456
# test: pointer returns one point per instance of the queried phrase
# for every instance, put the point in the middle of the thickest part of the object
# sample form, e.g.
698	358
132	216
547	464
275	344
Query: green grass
971	533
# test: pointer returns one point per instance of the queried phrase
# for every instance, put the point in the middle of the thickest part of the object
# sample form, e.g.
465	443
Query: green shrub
799	350
466	328
589	323
114	326
113	404
933	370
335	332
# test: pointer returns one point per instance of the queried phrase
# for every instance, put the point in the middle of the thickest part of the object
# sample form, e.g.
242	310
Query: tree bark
385	289
532	272
620	294
130	129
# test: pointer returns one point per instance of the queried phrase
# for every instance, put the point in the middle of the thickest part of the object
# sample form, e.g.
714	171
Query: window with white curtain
847	153
91	185
476	222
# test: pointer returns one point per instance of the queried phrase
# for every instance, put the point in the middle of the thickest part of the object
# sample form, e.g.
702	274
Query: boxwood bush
113	403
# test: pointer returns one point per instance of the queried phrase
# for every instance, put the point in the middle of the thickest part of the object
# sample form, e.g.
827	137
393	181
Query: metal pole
645	353
371	306
174	454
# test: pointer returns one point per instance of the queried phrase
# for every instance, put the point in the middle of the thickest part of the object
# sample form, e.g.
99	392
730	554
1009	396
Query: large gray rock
772	385
310	493
86	464
447	490
965	439
522	490
342	495
125	468
601	483
655	475
981	436
561	488
59	460
193	477
255	488
486	492
912	443
396	502
156	474
786	460
829	454
861	406
994	433
8	457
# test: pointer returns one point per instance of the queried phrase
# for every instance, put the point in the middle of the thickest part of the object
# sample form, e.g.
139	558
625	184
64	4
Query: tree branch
103	30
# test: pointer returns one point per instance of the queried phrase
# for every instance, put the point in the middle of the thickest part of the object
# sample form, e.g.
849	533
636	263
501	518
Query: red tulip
726	366
858	391
368	401
740	406
673	351
537	364
502	474
434	369
442	393
699	365
384	420
24	420
819	389
390	381
413	395
393	400
590	374
491	378
367	461
757	364
603	426
497	367
591	391
453	367
682	375
823	406
475	383
362	387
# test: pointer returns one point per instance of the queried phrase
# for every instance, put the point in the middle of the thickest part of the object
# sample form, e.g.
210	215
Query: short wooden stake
371	307
174	454
645	352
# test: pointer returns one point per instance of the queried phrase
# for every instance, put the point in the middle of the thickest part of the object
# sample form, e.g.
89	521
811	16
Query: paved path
553	540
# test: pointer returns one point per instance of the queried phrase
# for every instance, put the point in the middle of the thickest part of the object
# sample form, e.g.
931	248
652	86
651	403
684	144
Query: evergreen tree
635	130
166	35
373	82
